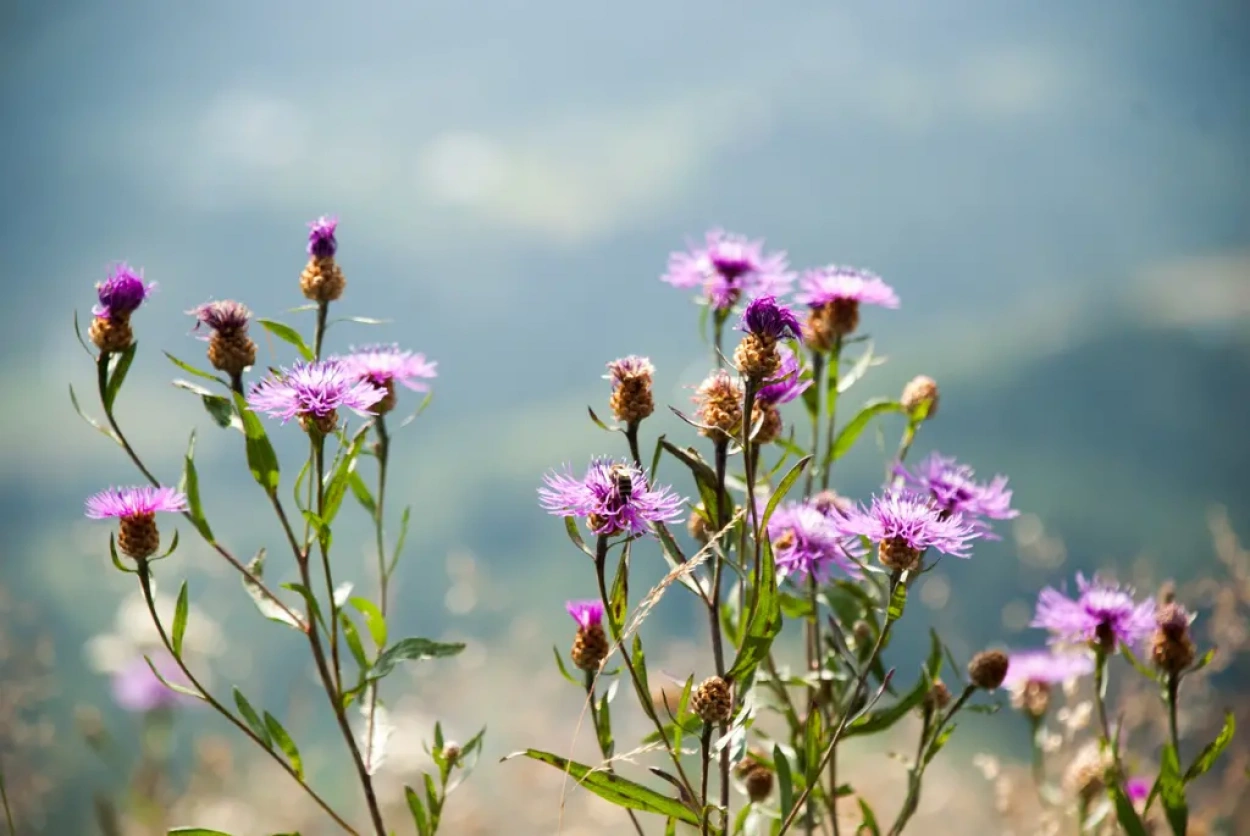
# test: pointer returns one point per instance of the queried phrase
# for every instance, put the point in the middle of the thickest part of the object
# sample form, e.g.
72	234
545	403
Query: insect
622	480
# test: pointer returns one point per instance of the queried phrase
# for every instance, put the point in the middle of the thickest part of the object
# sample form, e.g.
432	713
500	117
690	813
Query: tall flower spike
631	399
119	296
1104	614
590	646
135	510
230	349
613	498
313	393
787	384
834	295
729	267
322	280
765	323
904	525
385	365
955	490
719	406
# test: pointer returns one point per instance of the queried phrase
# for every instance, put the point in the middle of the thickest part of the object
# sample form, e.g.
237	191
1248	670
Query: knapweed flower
313	393
135	510
904	524
920	398
613	498
385	365
1104	614
766	323
631	399
988	669
1137	789
728	267
1172	648
137	689
834	294
719	406
806	543
954	488
787	384
322	280
119	296
591	645
1032	674
230	349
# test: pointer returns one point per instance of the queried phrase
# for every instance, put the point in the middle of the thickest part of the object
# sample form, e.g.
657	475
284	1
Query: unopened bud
988	669
920	398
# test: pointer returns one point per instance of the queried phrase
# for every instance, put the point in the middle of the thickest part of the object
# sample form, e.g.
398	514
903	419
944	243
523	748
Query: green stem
319	459
383	452
706	754
718	642
1173	692
835	360
818	381
912	802
323	308
1039	754
1100	702
607	755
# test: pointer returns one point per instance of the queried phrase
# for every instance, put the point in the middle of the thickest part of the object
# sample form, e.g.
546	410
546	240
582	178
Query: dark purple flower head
1045	667
121	293
321	240
825	285
587	614
1137	789
613	497
225	315
807	543
763	317
389	364
787	383
728	267
954	488
127	503
314	390
911	520
137	689
1105	613
629	368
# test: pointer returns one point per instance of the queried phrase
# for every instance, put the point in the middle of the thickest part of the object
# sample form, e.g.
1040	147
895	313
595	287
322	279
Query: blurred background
1059	192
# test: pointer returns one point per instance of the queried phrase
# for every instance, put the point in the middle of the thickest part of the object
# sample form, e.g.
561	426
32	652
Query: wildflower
230	349
1032	674
834	295
1105	613
756	776
313	393
119	296
831	504
807	543
765	323
719	399
920	398
322	280
590	646
712	701
787	384
904	525
697	525
727	267
954	488
135	510
1172	649
987	669
937	697
631	399
1137	789
383	366
612	498
136	688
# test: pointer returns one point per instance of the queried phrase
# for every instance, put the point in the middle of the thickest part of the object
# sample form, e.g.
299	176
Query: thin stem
706	754
145	583
923	753
818	378
1100	701
4	796
1039	754
1173	689
904	446
607	755
631	435
718	334
831	384
323	308
318	442
718	643
382	451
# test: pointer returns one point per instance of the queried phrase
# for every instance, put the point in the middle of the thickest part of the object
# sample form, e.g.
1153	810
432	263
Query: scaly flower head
1104	613
631	378
728	267
121	293
613	498
954	488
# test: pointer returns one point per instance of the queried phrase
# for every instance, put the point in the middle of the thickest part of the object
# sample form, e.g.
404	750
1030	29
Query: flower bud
988	669
1172	648
712	701
920	398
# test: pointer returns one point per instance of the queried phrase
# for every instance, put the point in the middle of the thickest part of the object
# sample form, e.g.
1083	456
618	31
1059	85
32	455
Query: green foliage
411	650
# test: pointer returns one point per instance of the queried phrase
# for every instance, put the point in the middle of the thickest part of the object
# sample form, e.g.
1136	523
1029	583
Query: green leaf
262	461
284	742
603	730
409	650
615	789
337	486
120	365
1203	661
785	781
764	622
179	628
575	536
783	488
869	824
404	519
850	433
564	671
252	718
352	636
288	335
1172	791
374	619
219	409
1125	813
190	487
1142	669
267	606
181	689
190	369
882	719
418	812
1207	758
361	491
857	370
100	428
938	743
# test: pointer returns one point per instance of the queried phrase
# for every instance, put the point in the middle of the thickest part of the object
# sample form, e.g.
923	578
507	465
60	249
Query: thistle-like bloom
322	280
954	488
121	293
137	689
222	315
1032	674
313	393
905	524
807	543
787	382
587	614
631	379
135	510
728	267
834	295
321	240
765	323
1172	648
385	365
613	497
719	406
1104	614
590	645
230	349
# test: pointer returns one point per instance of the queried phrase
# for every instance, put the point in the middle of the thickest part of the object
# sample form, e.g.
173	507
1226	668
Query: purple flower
137	689
910	520
612	497
384	365
1045	667
954	488
314	390
728	266
321	240
826	285
121	293
628	369
1137	789
587	614
787	384
763	317
1104	613
128	503
807	543
225	315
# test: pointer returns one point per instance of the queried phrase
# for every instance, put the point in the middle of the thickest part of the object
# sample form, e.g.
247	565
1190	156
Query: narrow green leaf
190	487
857	370
785	781
418	812
404	519
1209	755
898	602
938	743
190	369
179	628
850	433
284	742
598	423
119	366
310	600
338	480
881	719
575	536
252	718
352	636
1125	813
374	620
262	461
1137	664
268	608
1203	661
181	689
564	671
100	428
1172	791
409	650
603	731
288	335
219	409
361	491
869	824
615	789
764	622
783	488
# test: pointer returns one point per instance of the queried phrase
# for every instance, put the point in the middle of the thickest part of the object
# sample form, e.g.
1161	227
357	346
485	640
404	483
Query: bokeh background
1059	192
